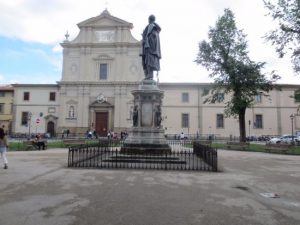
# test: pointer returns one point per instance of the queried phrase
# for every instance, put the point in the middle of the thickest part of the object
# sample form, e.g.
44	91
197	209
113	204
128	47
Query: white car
285	139
274	140
288	139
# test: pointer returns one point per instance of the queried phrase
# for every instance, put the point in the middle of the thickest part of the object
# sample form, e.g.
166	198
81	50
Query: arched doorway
50	128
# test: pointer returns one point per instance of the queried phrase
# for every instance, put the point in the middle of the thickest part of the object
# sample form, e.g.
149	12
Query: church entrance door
101	123
50	128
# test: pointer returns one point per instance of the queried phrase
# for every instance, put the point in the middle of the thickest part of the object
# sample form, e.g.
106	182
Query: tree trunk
242	125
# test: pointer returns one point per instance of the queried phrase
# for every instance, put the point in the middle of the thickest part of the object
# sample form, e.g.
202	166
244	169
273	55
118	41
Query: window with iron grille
185	120
258	98
258	121
24	119
185	97
52	96
26	96
103	71
220	121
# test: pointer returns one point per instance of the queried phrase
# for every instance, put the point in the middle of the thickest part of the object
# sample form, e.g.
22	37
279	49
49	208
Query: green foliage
225	56
286	37
297	95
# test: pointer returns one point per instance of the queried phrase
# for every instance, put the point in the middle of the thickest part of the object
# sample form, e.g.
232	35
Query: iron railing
108	155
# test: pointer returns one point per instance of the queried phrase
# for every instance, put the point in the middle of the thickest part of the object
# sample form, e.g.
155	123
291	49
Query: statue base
147	135
146	140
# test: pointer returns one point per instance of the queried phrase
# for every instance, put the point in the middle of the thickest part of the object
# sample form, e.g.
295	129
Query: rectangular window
2	94
1	108
103	71
185	97
258	121
24	119
258	98
220	97
26	96
52	96
220	121
185	120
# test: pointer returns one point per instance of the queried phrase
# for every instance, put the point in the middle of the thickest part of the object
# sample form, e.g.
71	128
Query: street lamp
29	122
292	120
249	122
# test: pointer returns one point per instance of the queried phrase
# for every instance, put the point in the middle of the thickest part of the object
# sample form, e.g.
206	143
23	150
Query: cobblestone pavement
253	188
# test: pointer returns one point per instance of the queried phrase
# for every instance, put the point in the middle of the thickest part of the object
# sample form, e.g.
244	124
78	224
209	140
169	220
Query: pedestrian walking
3	147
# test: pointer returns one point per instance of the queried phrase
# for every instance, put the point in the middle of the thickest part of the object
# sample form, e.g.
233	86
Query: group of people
65	132
39	142
114	135
91	133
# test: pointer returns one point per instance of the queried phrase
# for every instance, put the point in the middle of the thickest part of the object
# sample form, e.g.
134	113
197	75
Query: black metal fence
207	153
108	155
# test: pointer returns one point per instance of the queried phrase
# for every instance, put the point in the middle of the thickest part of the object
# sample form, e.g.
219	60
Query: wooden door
101	123
50	128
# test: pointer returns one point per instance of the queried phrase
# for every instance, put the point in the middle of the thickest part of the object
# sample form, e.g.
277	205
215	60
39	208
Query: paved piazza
253	188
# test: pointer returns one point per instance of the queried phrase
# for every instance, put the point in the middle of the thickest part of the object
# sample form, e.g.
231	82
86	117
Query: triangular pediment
104	20
96	104
50	116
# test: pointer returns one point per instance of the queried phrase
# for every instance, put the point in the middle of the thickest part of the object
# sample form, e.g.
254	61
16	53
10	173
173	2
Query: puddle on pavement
243	188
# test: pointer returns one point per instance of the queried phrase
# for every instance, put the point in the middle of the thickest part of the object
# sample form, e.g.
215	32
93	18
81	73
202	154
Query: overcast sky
31	30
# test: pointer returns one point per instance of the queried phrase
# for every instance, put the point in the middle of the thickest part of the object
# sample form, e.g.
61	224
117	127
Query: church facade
101	67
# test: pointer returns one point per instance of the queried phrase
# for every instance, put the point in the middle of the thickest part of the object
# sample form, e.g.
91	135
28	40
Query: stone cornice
98	83
100	45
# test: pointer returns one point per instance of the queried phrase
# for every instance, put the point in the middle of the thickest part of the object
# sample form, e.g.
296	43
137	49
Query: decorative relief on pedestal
133	68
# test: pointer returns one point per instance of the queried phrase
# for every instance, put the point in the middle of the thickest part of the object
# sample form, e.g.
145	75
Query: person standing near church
3	147
151	53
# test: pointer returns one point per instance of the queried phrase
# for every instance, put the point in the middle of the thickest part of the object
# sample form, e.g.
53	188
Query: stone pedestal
146	135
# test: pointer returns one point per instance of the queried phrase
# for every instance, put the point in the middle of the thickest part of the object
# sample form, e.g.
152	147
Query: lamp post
29	122
249	122
292	120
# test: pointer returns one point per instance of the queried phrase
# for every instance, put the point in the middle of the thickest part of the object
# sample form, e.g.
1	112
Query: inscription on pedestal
146	115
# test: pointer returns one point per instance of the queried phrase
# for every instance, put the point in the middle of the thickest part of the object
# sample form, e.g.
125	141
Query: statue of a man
135	116
151	48
157	117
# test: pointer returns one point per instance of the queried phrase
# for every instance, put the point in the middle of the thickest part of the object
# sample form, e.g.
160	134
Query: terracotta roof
6	88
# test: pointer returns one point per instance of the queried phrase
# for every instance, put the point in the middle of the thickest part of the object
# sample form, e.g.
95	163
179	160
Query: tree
226	57
286	38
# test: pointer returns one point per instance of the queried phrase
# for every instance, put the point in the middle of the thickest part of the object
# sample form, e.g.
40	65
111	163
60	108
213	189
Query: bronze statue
135	116
157	117
151	48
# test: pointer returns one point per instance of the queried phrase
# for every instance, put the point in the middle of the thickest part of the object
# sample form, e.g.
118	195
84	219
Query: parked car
274	140
288	139
285	139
